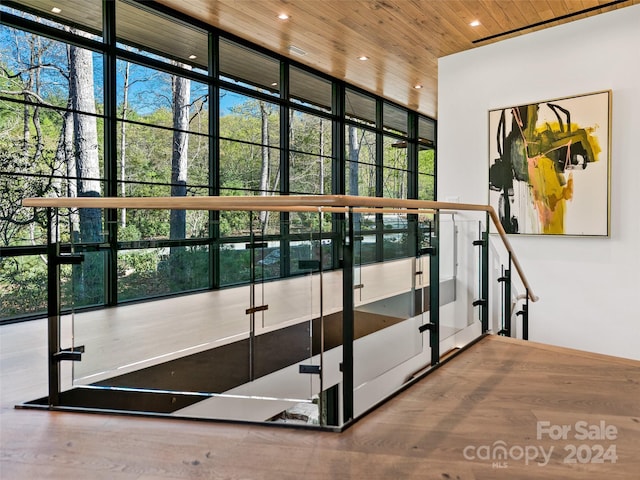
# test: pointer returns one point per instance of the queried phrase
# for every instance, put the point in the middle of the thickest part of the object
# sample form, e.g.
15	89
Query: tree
123	140
81	93
266	161
181	89
88	278
354	158
181	94
321	157
30	69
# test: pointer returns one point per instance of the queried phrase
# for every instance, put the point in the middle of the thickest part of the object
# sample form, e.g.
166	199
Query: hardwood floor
441	428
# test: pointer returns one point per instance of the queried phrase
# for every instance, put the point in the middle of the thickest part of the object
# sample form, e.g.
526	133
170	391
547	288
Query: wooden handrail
292	203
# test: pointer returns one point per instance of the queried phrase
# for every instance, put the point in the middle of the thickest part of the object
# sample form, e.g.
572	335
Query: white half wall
589	288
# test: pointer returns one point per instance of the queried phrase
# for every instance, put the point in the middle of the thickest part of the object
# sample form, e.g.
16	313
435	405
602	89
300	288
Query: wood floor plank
494	393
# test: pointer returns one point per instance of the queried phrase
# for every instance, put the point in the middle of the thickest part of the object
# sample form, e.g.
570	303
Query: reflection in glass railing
316	325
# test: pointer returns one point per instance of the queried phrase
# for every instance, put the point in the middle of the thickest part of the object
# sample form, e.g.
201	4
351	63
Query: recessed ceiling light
475	23
363	58
417	86
283	16
193	57
296	50
56	10
274	84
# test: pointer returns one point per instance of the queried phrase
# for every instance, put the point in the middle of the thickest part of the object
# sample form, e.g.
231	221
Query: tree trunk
181	96
81	92
354	154
35	74
178	261
123	142
89	279
264	171
321	192
65	166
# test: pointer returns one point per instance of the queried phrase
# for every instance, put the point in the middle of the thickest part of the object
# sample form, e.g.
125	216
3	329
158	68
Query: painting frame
550	166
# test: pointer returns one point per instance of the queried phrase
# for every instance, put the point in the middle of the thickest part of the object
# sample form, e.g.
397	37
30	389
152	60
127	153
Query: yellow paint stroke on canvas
550	192
550	189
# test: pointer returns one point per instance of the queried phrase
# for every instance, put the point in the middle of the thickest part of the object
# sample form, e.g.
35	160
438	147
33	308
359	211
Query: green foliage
23	286
32	164
151	272
234	266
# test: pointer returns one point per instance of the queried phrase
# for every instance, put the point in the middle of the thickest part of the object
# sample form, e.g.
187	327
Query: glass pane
361	145
249	68
54	150
136	225
309	90
84	285
365	221
140	225
395	153
309	174
310	134
394	118
28	58
194	343
235	263
242	166
459	272
365	250
360	107
268	260
303	224
396	245
248	119
161	37
426	187
21	225
84	14
159	271
234	224
23	286
285	311
426	161
395	183
149	153
427	131
388	347
361	179
148	95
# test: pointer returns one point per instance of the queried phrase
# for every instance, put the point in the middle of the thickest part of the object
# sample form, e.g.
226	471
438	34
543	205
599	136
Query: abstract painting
549	166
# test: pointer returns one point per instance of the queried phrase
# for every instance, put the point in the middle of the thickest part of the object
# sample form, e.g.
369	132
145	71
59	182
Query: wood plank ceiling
402	39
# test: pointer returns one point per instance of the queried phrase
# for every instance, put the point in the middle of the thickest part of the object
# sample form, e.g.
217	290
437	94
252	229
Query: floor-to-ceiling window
116	99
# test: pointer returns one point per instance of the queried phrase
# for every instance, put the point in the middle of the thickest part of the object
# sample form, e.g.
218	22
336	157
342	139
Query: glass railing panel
388	347
271	348
169	352
252	352
279	349
129	338
459	280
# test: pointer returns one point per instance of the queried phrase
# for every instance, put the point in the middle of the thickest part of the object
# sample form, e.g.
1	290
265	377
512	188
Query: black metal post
110	150
484	315
434	291
506	301
214	160
53	306
252	296
525	316
347	320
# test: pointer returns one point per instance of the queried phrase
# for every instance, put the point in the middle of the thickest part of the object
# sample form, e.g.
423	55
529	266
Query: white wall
589	288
